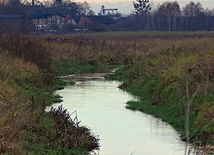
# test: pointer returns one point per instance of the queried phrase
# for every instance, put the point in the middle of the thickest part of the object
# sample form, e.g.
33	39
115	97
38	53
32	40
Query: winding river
100	106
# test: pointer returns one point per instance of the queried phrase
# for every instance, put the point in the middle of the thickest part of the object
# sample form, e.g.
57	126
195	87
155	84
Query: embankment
27	86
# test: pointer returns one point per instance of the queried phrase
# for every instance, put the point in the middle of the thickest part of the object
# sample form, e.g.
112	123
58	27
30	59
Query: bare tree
86	9
170	11
142	8
191	11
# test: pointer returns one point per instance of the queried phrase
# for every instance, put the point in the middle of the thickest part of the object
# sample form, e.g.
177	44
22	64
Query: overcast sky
126	6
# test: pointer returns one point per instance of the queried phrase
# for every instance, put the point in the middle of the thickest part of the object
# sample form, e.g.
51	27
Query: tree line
169	16
26	8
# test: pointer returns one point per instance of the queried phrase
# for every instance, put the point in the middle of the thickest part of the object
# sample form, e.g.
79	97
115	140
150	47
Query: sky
126	6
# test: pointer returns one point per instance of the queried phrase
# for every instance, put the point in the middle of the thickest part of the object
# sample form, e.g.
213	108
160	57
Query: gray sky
126	6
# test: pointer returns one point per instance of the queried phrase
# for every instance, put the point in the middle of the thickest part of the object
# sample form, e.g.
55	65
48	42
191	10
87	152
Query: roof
67	17
44	15
101	19
10	16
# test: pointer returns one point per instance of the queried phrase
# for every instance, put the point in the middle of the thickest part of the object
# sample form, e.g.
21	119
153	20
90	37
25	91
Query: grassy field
132	34
123	33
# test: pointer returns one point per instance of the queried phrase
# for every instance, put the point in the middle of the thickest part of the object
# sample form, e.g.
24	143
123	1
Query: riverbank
172	75
27	85
177	87
101	105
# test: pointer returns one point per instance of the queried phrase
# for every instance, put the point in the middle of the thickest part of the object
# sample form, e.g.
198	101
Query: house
70	20
47	22
96	20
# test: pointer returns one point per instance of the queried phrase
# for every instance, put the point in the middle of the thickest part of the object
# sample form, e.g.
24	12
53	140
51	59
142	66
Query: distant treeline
27	8
169	16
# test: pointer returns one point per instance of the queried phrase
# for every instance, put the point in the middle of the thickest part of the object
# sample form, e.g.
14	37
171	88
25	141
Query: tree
13	7
193	11
170	11
86	9
67	7
73	9
209	19
142	8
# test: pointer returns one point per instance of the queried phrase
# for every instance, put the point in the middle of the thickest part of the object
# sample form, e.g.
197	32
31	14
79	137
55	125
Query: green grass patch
165	99
67	67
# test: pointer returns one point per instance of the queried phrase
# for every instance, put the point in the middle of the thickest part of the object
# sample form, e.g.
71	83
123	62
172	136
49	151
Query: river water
100	106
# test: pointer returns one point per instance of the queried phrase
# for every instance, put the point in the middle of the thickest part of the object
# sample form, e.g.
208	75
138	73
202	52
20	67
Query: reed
26	87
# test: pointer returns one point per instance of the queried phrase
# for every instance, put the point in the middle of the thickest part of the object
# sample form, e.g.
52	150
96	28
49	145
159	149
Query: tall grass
13	101
26	88
159	77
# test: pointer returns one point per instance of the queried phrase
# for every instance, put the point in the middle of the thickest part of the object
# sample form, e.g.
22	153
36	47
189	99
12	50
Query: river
100	106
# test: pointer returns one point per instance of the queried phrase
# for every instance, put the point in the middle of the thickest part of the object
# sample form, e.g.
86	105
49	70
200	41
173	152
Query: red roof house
96	20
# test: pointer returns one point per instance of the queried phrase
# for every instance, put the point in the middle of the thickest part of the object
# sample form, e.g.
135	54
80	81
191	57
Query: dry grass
13	112
24	79
86	47
16	68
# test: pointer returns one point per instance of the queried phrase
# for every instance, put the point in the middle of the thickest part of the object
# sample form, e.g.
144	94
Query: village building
70	20
47	22
51	22
93	21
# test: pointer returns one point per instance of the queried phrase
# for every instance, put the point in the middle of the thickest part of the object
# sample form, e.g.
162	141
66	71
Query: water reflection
101	106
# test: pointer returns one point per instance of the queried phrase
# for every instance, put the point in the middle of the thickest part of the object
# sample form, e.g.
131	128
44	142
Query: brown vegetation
25	91
14	111
175	63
